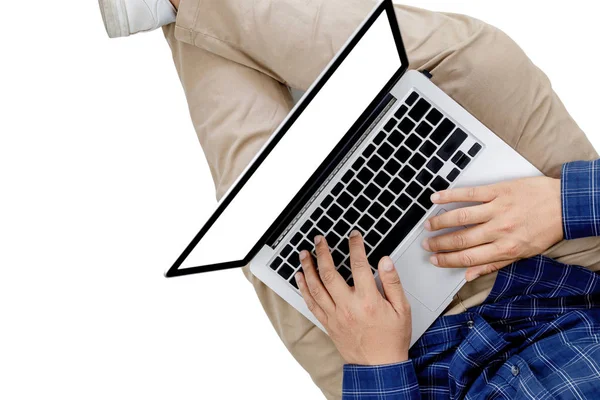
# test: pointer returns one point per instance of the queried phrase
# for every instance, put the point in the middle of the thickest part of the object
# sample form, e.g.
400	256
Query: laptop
364	148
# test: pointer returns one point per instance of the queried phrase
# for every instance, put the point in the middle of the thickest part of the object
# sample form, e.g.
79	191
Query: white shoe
126	17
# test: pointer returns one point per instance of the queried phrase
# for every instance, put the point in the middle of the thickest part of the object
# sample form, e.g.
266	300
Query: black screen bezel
385	6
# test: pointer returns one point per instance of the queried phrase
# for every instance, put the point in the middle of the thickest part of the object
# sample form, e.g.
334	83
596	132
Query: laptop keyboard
387	189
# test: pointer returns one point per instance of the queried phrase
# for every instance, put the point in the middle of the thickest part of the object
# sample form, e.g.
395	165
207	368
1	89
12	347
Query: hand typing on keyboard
517	219
366	328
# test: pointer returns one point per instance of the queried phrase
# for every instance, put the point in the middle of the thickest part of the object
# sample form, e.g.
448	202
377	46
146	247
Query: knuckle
314	291
360	264
466	259
508	227
472	192
459	241
463	216
327	276
347	316
512	250
369	308
311	305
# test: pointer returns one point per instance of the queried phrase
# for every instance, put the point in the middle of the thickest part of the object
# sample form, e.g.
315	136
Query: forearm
580	196
389	382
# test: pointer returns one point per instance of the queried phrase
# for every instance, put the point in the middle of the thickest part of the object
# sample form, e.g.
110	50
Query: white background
103	183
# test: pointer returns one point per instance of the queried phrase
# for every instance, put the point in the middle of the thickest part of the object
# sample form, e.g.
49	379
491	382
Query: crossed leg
236	61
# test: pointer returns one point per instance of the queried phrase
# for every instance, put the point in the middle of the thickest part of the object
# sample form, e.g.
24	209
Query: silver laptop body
411	141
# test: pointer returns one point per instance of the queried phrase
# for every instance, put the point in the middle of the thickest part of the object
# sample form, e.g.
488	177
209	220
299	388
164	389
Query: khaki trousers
238	59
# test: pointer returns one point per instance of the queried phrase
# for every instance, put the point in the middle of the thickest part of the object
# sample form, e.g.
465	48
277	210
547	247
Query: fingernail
354	233
303	255
425	244
427	225
433	260
435	197
473	277
387	264
318	239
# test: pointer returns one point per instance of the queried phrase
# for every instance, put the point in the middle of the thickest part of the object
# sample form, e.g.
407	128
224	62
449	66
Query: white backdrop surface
103	183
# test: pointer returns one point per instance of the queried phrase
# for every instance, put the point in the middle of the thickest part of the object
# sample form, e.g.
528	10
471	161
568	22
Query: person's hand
518	219
366	328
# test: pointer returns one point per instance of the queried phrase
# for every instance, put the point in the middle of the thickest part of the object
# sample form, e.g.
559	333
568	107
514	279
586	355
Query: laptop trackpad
429	284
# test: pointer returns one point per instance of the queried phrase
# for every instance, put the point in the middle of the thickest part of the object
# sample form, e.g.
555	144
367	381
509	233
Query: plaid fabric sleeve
580	193
382	382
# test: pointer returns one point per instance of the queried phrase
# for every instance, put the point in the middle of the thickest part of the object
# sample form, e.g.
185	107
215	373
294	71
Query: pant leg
476	64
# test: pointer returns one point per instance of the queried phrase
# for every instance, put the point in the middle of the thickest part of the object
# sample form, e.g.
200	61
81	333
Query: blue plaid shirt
536	336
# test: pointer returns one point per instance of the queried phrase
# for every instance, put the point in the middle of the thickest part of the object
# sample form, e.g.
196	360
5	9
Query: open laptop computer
364	149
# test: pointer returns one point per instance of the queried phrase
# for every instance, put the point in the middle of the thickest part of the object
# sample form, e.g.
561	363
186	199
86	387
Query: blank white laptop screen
310	139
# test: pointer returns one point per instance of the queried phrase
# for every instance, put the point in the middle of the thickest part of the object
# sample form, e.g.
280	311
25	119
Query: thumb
392	287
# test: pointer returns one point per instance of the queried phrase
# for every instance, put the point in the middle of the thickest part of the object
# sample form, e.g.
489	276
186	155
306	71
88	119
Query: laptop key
453	174
355	187
425	199
424	129
372	191
396	138
344	200
361	203
276	263
435	164
461	160
316	214
474	149
368	150
397	234
375	210
413	142
439	183
401	111
434	116
293	281
382	179
392	167
296	238
365	175
379	138
366	222
407	173
351	282
441	132
403	201
335	212
452	144
347	176
358	163
337	189
305	245
341	228
393	213
406	125
414	189
337	257
391	124
383	226
386	198
332	239
375	163
351	215
428	148
286	271
306	226
327	201
396	186
402	154
344	272
417	161
324	223
286	251
419	109
385	151
424	177
410	100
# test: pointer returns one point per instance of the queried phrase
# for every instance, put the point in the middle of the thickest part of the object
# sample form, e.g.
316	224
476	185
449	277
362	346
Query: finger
331	278
482	194
312	305
315	286
392	287
481	270
362	274
460	239
460	217
479	255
